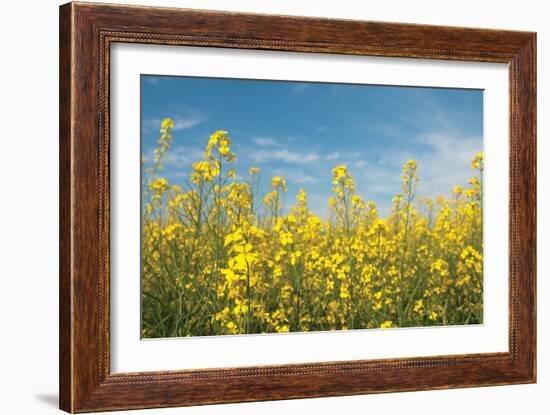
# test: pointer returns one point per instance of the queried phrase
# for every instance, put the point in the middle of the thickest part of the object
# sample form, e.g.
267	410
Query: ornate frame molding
86	34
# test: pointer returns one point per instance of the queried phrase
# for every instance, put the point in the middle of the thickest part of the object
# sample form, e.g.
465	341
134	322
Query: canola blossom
220	258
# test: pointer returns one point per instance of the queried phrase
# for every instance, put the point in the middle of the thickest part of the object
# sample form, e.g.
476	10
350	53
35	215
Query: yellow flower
230	276
283	329
285	238
411	164
221	141
339	172
166	124
204	171
301	198
477	162
278	182
158	187
233	237
224	147
230	265
344	292
171	230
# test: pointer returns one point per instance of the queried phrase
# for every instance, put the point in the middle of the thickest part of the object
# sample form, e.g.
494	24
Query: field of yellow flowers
219	259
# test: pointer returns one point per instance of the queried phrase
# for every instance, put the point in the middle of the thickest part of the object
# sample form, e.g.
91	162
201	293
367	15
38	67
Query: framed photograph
259	207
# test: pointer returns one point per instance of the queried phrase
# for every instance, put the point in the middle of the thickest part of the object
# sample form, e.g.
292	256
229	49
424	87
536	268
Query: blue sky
302	130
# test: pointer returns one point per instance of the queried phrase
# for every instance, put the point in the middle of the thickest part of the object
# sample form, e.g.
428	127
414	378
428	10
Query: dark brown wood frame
86	33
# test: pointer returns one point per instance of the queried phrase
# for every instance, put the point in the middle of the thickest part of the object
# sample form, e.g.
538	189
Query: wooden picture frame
86	33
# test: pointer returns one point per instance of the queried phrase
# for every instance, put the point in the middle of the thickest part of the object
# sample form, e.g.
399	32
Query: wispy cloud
299	87
265	142
444	164
178	157
184	122
305	179
332	156
448	164
152	80
283	155
181	121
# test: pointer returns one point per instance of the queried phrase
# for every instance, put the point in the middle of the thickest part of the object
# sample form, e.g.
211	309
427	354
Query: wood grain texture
65	247
86	33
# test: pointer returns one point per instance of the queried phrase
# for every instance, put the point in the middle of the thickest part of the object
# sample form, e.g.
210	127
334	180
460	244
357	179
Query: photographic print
283	206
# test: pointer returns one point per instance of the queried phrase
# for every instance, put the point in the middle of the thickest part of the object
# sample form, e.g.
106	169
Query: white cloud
151	124
299	87
360	164
449	163
178	157
305	179
152	80
181	121
443	162
183	156
283	155
444	165
265	142
184	122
